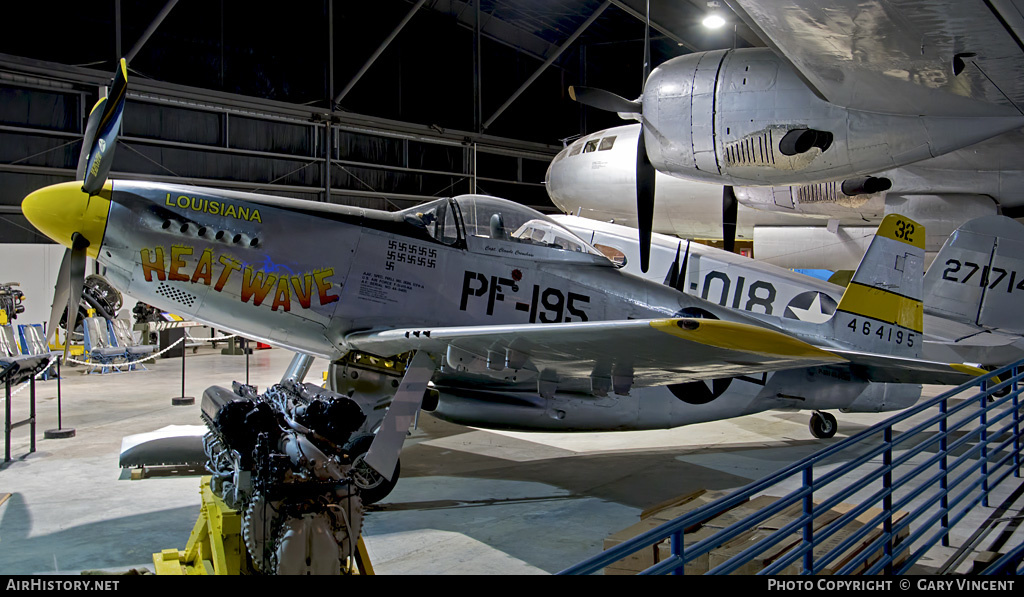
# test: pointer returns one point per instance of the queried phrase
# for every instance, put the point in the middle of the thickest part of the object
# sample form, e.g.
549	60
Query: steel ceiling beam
380	50
150	30
495	29
547	63
643	18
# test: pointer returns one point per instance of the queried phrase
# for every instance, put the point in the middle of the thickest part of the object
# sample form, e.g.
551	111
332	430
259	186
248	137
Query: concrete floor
469	501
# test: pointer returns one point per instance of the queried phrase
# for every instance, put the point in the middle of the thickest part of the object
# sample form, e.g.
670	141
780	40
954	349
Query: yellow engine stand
215	545
75	350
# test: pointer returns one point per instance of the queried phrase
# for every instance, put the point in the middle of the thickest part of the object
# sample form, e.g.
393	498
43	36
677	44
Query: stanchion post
59	432
7	418
32	410
183	400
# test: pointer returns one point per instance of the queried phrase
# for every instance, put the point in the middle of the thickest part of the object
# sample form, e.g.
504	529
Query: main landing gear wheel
372	486
823	425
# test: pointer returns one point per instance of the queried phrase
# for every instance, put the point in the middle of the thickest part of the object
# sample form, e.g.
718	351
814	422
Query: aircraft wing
935	57
642	352
885	368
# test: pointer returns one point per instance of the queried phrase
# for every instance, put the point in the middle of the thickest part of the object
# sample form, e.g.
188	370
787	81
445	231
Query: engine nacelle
836	199
745	117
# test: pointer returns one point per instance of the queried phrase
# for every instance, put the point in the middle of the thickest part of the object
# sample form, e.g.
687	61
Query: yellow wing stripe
902	229
968	369
883	305
974	371
739	336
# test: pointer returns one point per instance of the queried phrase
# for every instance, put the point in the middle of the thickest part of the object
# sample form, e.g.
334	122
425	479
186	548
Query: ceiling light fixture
713	21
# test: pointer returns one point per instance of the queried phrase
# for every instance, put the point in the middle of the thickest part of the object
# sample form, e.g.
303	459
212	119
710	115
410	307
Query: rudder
881	310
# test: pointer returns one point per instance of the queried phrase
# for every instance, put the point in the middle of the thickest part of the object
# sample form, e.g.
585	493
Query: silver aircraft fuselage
305	276
280	272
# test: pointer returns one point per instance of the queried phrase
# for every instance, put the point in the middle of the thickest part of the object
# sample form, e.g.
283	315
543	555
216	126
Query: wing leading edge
937	57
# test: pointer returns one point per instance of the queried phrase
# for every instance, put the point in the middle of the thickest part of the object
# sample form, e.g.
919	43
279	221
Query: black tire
823	425
372	486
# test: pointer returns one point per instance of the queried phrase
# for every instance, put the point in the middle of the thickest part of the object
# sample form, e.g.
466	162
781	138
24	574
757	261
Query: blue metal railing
1009	563
962	450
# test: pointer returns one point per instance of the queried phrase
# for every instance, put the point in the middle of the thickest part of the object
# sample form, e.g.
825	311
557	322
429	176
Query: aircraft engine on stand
280	458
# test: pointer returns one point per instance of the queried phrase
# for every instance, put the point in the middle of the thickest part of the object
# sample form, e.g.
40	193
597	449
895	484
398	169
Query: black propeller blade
68	291
75	283
61	290
645	175
101	134
645	171
729	207
603	100
90	137
94	163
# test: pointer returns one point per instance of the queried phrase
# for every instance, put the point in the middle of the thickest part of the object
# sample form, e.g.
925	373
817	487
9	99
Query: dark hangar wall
267	69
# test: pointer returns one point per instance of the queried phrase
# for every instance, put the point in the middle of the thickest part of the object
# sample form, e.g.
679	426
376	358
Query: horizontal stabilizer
895	369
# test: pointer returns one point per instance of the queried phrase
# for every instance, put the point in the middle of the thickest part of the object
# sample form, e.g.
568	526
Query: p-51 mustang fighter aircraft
496	314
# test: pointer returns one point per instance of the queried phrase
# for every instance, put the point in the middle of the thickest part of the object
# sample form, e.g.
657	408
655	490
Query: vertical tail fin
882	310
978	275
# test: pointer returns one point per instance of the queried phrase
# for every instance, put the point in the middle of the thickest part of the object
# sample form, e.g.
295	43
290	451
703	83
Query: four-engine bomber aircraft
846	88
595	177
513	320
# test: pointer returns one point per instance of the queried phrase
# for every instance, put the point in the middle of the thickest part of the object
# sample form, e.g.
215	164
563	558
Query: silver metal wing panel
935	57
892	369
634	352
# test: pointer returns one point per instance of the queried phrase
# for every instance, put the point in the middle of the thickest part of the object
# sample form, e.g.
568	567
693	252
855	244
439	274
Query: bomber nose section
61	210
554	190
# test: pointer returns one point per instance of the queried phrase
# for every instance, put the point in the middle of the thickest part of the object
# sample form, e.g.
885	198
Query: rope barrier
150	357
42	371
117	365
155	354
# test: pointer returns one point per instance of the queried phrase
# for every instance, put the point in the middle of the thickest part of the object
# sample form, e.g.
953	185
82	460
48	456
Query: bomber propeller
645	171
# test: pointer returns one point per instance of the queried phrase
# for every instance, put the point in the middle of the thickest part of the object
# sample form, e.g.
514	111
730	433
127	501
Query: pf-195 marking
549	305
